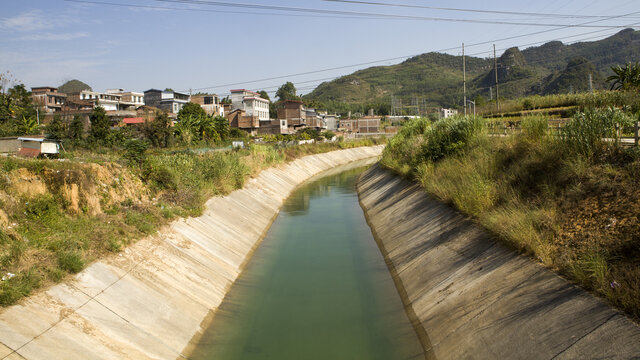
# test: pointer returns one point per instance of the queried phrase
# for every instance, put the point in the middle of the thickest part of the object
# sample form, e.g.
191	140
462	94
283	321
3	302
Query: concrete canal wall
150	300
470	297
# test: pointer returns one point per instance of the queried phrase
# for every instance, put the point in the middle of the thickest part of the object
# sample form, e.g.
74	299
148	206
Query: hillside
73	86
435	79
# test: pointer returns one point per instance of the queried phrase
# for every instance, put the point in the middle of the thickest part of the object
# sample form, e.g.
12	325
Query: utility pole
590	82
495	69
464	80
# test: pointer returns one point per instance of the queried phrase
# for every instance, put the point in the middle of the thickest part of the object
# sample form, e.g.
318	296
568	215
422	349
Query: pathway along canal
317	287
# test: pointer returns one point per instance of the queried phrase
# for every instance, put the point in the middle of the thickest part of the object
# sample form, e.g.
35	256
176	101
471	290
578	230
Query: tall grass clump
594	132
534	127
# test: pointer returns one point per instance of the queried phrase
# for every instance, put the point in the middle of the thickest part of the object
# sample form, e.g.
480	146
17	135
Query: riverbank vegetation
109	190
567	198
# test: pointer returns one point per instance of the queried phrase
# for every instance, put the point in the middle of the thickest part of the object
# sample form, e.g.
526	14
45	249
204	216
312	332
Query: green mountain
73	86
435	79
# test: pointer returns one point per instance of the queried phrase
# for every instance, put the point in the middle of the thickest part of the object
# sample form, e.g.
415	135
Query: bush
534	127
594	132
135	152
71	261
160	177
450	135
41	208
21	285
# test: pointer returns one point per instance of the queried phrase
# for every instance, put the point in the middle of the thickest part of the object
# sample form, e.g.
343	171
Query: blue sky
46	42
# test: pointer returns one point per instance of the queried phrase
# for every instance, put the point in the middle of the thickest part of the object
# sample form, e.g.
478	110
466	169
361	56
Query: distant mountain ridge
436	78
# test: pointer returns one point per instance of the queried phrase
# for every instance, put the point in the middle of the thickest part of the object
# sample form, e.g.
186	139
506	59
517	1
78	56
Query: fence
627	137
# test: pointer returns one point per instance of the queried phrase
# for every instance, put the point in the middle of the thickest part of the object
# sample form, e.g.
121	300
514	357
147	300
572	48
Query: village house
367	125
168	100
110	102
239	119
209	103
273	127
31	146
129	98
251	103
331	122
314	119
294	112
48	98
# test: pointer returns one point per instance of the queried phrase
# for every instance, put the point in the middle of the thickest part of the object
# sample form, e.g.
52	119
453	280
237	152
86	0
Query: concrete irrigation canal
316	288
414	280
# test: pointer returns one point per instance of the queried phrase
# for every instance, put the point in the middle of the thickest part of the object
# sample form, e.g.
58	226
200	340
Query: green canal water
317	287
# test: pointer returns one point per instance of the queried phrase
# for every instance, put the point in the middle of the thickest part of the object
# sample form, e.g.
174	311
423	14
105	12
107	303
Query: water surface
316	288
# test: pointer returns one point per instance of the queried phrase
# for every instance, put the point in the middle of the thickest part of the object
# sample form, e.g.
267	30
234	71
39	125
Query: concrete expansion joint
585	335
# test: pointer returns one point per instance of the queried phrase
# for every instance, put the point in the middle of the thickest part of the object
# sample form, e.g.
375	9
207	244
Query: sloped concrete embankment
470	297
151	299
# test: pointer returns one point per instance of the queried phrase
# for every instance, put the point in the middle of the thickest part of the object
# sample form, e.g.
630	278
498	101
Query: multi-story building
331	122
251	103
367	125
48	98
210	104
294	112
111	100
168	100
314	119
239	119
135	99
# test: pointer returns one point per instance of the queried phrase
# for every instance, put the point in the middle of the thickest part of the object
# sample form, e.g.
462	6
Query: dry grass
574	212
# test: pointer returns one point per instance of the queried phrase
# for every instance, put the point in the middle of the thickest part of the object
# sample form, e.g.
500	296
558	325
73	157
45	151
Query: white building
114	99
136	99
445	113
251	103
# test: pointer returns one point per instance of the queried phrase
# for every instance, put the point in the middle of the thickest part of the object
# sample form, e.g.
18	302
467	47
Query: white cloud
54	37
32	20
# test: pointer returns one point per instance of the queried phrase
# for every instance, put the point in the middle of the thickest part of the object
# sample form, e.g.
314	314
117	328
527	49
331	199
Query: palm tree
625	78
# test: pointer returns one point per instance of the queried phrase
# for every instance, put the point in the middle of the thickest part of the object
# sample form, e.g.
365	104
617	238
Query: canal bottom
317	287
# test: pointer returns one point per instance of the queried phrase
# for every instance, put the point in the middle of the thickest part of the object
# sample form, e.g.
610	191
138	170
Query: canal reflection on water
317	287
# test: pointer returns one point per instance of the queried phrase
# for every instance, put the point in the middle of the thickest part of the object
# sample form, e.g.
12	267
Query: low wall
148	301
470	297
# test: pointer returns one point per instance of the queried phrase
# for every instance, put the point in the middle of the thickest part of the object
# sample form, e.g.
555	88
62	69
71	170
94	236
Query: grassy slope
58	216
576	214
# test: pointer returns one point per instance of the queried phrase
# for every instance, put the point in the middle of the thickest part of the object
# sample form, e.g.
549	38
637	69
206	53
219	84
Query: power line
352	65
347	13
518	13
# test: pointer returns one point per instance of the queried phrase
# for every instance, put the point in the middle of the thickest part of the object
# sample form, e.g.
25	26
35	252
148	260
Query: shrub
450	135
594	132
534	127
135	152
21	285
71	261
41	208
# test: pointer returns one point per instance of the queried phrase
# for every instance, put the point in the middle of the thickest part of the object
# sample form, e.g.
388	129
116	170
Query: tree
627	78
55	129
191	110
287	92
76	128
159	131
100	125
28	126
264	95
222	127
